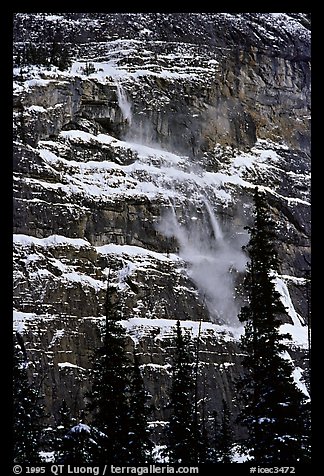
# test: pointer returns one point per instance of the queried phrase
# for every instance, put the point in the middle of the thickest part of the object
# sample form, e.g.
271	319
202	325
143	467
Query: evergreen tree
198	449
59	55
140	445
223	436
89	69
64	60
18	59
214	449
307	358
64	425
226	435
202	440
65	417
109	397
181	446
274	410
27	412
55	53
307	277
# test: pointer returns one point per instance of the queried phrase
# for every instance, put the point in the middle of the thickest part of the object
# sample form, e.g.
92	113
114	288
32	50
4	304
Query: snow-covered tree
274	410
27	412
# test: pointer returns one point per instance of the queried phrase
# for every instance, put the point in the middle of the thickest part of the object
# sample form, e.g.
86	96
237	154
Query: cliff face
141	158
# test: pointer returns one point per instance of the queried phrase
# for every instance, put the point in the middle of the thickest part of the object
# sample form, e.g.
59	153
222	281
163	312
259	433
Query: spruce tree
215	438
109	396
202	440
223	435
226	435
199	428
64	425
18	59
64	60
139	446
274	410
181	445
27	412
307	278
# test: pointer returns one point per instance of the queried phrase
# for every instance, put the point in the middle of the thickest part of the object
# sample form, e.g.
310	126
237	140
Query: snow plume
214	257
124	104
140	129
142	132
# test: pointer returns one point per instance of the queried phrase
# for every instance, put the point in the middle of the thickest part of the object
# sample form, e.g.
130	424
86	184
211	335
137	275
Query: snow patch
158	454
298	330
156	367
84	280
36	109
20	319
47	456
166	327
69	365
76	136
37	83
54	17
238	456
59	333
53	240
80	428
298	376
135	251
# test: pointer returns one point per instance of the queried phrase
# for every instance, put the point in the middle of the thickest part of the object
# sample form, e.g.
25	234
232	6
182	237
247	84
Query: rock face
141	159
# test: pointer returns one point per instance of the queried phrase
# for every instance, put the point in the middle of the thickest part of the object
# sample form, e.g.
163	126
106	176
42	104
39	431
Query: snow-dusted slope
141	158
